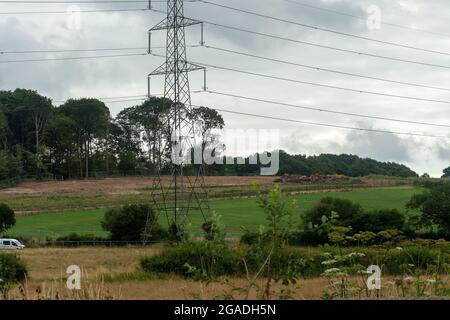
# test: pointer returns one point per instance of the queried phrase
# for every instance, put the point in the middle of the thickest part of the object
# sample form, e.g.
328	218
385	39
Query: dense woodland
80	138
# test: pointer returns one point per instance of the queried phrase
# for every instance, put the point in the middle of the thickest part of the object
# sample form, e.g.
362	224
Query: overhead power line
112	101
75	1
324	85
73	58
323	29
359	53
323	69
313	83
126	100
82	50
71	50
208	47
312	44
362	18
81	11
324	110
328	125
108	98
116	99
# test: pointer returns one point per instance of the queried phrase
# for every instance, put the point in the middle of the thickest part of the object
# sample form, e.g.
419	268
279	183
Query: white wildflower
332	270
329	262
356	255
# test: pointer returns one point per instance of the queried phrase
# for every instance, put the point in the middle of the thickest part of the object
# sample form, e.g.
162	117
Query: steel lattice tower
178	195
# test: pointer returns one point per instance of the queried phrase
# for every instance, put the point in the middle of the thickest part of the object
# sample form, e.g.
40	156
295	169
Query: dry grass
112	273
51	263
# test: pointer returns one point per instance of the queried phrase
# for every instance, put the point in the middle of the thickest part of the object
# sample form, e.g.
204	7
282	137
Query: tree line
80	137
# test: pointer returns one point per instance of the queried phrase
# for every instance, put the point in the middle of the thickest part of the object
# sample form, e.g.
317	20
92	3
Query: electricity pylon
177	195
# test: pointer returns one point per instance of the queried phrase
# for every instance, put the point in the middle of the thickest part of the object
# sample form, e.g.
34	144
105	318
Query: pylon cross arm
182	22
185	67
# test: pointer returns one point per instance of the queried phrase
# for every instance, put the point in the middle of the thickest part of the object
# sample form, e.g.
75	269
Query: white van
10	244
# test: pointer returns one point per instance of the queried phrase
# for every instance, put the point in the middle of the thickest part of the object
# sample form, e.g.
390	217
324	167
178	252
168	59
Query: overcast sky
125	76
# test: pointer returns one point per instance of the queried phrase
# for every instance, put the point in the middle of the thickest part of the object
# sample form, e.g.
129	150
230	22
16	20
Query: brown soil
127	185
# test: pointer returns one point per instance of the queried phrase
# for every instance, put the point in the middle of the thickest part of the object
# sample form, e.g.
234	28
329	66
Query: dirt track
116	185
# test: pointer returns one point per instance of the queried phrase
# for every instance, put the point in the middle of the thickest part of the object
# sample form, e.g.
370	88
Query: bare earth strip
128	185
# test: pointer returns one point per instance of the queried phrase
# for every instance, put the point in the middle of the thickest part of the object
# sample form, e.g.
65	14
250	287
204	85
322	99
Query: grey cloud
383	147
444	152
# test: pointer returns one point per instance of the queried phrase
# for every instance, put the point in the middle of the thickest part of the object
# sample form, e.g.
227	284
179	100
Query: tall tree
3	130
446	173
206	120
28	113
91	119
149	119
62	144
434	205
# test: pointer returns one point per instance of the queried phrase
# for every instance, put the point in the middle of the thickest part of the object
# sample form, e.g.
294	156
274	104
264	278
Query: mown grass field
236	213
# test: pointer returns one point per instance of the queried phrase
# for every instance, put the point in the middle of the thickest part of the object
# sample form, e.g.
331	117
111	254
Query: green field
235	213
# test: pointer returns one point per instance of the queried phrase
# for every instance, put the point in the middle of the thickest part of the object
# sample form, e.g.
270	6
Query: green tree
3	130
12	272
149	118
4	165
128	223
446	173
27	114
379	220
269	256
206	120
434	205
345	209
15	164
7	218
91	119
62	144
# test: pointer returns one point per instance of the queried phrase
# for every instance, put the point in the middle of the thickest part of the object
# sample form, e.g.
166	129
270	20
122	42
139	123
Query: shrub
209	259
346	210
7	217
376	221
214	229
309	237
77	239
250	237
435	206
12	271
284	262
129	223
332	213
415	257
